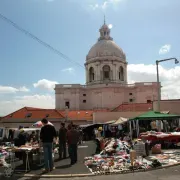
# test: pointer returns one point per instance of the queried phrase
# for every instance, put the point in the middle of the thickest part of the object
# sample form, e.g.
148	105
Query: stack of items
150	134
139	147
115	158
167	157
3	155
8	170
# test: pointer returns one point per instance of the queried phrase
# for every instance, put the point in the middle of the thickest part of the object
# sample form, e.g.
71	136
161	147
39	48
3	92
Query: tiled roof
102	110
79	115
38	113
34	113
133	107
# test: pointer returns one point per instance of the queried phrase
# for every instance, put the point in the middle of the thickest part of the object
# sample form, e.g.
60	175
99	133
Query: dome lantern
104	32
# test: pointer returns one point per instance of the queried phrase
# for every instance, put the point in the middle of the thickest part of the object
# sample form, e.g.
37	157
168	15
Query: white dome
106	48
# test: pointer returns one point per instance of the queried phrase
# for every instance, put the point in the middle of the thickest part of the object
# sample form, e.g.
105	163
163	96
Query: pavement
172	173
63	166
87	149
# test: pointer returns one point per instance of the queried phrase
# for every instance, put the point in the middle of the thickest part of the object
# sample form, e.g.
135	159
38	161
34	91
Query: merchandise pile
115	158
168	157
3	155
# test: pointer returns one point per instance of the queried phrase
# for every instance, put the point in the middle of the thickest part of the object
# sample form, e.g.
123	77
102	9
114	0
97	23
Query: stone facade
106	80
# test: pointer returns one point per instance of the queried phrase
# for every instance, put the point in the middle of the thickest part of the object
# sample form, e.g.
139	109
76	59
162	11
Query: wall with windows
103	96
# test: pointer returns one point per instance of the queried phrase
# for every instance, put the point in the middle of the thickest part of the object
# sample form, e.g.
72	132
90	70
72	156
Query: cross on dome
104	32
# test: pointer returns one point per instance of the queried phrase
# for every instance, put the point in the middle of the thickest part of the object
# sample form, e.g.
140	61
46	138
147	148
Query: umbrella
39	124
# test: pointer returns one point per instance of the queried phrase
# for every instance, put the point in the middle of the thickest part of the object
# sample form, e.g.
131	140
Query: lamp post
157	68
78	115
66	113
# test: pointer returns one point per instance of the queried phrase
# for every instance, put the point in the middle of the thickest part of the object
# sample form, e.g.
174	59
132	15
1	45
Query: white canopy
121	120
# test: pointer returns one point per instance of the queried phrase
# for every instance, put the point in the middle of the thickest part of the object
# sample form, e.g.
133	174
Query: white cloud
23	89
94	6
170	78
165	49
45	84
69	70
9	89
105	4
39	101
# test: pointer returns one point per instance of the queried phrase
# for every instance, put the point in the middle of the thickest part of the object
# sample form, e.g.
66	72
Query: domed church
106	80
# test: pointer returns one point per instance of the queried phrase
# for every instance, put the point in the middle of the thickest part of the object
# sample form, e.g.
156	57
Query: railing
105	83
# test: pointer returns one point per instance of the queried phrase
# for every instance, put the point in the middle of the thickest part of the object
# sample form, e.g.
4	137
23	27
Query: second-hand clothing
62	142
48	133
72	139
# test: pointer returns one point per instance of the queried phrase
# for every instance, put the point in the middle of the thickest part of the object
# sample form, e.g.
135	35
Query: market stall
25	147
147	120
166	139
88	131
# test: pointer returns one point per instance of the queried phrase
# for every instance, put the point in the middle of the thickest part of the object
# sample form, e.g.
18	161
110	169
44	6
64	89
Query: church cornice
105	59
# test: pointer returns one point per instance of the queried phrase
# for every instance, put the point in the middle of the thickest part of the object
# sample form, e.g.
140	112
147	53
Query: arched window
91	74
106	72
121	73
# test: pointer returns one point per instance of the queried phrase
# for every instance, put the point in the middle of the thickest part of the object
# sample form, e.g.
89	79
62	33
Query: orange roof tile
133	107
79	115
34	113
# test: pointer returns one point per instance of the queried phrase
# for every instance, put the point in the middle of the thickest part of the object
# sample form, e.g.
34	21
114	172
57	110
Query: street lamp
78	115
157	68
66	113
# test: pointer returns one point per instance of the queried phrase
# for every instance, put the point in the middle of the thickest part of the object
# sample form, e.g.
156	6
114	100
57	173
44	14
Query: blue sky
28	69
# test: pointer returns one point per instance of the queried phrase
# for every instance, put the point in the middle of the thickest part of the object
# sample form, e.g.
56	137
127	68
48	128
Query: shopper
72	139
62	141
47	135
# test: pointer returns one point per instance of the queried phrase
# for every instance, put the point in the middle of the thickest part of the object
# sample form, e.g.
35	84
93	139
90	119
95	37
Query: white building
106	80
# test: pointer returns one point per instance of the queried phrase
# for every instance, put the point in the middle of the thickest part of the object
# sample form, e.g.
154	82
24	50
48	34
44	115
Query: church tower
106	62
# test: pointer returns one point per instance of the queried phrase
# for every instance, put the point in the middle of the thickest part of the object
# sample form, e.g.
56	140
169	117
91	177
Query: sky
146	30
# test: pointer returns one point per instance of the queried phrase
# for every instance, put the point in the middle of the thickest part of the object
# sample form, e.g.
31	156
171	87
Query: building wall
101	117
168	105
103	95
